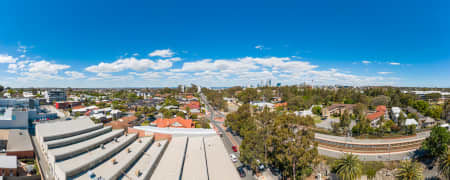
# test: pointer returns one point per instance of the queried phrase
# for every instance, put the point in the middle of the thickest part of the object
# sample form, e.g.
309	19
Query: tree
348	167
294	148
444	165
434	111
380	100
317	110
437	143
296	103
421	106
345	120
180	114
401	119
409	170
1	88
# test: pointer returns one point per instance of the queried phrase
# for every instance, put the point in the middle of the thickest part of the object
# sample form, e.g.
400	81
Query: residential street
228	139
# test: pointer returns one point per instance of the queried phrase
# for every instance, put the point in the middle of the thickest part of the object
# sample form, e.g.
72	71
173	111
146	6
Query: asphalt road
226	138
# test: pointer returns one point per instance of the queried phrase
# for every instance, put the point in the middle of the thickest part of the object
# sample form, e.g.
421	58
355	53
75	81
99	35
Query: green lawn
317	119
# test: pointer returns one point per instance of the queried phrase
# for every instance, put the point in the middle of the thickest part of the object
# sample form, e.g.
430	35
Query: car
233	158
275	171
241	171
234	148
68	118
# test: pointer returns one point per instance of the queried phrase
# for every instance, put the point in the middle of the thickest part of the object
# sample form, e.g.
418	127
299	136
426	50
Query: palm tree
409	170
348	167
444	165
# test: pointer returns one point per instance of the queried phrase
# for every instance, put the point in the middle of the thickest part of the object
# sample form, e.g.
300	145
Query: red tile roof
281	104
193	105
380	111
78	107
177	122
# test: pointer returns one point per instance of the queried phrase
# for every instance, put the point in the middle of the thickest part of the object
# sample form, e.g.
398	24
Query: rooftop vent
113	161
102	146
137	173
128	150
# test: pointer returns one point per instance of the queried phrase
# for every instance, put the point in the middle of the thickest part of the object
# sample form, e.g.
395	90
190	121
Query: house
304	113
395	113
122	123
376	116
281	104
337	109
8	166
409	122
262	105
177	122
427	122
192	105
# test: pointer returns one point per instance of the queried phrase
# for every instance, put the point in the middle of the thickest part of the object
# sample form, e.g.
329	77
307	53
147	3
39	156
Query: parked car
234	148
241	171
275	171
68	118
233	158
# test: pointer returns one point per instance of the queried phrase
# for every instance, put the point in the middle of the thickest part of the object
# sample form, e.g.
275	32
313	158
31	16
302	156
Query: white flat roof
195	161
19	140
220	166
171	163
62	127
91	157
147	161
9	162
83	144
107	169
178	131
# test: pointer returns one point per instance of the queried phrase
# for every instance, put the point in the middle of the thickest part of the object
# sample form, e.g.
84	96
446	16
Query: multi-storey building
55	95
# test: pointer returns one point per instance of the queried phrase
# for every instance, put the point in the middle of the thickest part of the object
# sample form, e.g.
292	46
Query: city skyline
159	44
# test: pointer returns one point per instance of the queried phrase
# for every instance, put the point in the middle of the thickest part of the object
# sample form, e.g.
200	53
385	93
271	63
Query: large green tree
444	165
409	170
348	167
437	143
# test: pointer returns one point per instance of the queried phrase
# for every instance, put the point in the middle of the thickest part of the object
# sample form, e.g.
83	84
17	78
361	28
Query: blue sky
165	43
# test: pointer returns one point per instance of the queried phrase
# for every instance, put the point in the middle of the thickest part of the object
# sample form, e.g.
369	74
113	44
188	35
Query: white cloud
75	75
259	47
218	65
384	73
136	54
130	63
174	59
46	67
394	63
165	53
4	58
366	62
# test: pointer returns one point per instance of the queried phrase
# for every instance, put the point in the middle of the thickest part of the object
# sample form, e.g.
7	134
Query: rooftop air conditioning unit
102	146
137	173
